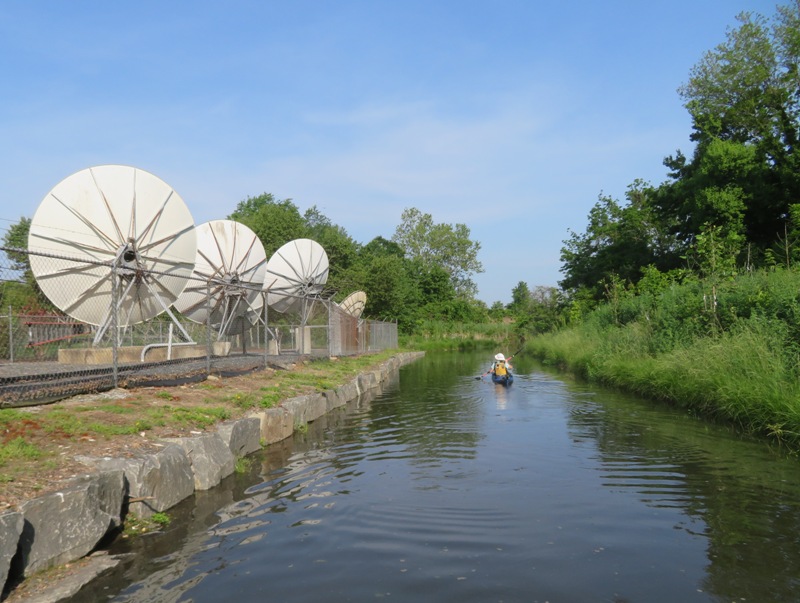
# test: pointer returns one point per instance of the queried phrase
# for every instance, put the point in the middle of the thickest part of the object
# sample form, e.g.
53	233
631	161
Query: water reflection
743	499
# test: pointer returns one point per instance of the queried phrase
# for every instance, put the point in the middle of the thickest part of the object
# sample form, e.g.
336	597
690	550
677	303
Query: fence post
327	303
10	335
266	329
114	324
208	327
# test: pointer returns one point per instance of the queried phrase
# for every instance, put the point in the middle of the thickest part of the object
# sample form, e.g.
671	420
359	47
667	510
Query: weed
242	464
141	425
243	401
161	519
270	400
200	417
18	450
135	525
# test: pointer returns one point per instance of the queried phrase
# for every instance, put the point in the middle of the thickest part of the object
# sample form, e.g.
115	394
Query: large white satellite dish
230	266
354	303
112	219
298	270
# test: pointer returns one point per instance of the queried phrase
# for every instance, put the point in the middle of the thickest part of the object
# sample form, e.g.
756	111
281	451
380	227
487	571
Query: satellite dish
299	269
354	303
112	216
231	263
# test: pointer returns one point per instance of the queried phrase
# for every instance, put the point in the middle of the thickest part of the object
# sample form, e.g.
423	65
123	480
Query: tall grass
732	354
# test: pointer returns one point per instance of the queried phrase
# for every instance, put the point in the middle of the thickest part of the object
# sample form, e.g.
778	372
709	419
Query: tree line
423	273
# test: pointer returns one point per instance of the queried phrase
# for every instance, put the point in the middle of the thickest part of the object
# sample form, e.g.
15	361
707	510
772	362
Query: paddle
507	359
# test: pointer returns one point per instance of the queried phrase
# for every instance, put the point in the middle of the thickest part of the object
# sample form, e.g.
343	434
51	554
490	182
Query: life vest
500	368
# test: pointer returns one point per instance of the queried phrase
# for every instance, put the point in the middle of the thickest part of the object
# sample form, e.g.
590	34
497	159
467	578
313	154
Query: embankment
60	527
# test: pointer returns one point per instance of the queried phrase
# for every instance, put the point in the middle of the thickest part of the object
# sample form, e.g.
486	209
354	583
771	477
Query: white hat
500	357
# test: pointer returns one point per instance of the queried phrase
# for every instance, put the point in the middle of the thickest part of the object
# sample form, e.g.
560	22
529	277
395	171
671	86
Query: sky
508	116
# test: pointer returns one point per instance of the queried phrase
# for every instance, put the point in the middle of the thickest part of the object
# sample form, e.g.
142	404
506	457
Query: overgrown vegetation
729	350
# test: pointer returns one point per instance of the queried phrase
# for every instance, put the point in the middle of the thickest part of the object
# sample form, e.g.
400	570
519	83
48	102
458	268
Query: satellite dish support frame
121	270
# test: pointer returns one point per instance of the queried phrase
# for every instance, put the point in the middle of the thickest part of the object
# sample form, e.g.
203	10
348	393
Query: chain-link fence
118	328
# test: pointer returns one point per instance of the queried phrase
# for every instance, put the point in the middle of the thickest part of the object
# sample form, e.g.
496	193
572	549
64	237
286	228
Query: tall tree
735	91
744	93
520	298
391	294
445	245
619	241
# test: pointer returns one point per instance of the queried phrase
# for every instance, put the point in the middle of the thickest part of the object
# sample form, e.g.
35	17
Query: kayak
506	379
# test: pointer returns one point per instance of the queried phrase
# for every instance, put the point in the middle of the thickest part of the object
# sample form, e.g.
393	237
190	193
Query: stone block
63	526
11	524
242	436
210	458
306	408
276	424
155	482
334	399
367	381
348	391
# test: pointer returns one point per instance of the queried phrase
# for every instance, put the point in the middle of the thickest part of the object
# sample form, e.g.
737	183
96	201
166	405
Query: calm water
446	488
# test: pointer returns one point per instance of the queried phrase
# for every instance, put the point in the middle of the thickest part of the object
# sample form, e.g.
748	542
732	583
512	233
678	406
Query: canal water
445	487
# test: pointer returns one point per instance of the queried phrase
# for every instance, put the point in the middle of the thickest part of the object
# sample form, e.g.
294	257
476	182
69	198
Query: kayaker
501	366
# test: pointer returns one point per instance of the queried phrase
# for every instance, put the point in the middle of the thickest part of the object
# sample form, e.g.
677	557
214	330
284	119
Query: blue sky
509	116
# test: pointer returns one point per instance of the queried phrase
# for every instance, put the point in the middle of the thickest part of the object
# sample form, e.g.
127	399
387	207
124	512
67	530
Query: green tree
735	92
275	222
744	94
537	311
520	298
497	308
341	249
445	245
381	246
619	241
391	294
721	187
22	293
16	237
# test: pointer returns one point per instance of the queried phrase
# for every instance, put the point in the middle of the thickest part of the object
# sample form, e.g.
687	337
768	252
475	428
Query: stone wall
63	526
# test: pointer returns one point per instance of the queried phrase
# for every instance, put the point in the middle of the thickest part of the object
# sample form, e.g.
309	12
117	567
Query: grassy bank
38	444
457	336
729	350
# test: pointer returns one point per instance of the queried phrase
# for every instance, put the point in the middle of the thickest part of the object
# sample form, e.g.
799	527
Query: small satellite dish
230	266
299	269
112	217
354	303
